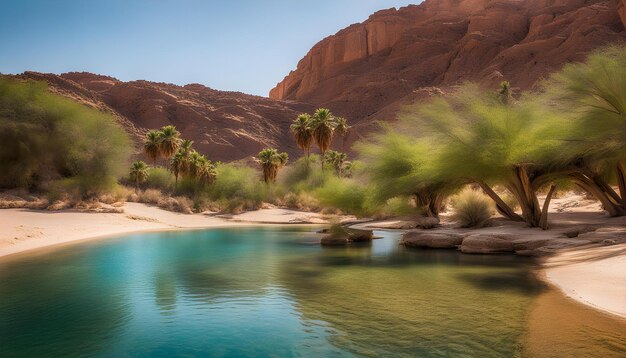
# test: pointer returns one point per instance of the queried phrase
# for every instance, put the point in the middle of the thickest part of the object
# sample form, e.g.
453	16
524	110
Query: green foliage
239	185
345	194
472	208
160	178
139	173
302	176
45	137
271	161
592	98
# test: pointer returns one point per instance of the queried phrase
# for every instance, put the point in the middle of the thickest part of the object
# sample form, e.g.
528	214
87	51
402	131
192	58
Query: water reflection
270	291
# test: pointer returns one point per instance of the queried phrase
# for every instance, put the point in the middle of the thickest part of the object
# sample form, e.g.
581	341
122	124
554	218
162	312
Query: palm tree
139	173
152	145
185	150
341	128
505	93
337	160
323	127
170	141
271	161
177	166
205	170
302	133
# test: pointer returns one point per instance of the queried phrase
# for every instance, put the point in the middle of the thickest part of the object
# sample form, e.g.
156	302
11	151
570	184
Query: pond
274	292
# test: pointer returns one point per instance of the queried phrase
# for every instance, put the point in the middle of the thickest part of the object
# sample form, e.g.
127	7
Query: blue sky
236	45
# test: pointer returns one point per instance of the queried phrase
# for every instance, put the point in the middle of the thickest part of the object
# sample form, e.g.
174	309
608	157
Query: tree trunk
522	188
543	222
592	188
502	207
621	181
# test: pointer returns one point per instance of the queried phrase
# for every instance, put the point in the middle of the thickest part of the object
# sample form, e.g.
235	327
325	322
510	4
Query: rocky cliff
225	125
367	70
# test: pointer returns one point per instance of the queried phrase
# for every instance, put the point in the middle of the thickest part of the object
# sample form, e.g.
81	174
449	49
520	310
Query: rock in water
421	239
486	244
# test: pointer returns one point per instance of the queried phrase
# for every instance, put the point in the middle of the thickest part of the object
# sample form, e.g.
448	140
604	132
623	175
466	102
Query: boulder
427	223
578	230
341	236
358	235
421	239
334	240
487	244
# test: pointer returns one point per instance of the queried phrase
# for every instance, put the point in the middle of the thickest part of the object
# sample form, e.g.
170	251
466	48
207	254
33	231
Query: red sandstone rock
224	125
367	70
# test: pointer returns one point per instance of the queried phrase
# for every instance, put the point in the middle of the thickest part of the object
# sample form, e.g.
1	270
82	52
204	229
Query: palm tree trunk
543	222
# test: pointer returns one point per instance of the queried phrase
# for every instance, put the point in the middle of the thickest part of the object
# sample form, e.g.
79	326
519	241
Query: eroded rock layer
367	69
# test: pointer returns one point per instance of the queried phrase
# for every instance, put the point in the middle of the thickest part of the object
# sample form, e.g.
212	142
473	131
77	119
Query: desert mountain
367	70
225	125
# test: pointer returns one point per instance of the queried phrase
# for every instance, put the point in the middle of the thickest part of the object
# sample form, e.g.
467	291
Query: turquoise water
262	292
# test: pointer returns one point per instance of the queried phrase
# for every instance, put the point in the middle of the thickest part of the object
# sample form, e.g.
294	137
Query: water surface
275	292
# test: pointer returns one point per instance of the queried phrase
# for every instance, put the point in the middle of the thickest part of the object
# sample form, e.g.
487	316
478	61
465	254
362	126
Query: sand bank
22	229
594	276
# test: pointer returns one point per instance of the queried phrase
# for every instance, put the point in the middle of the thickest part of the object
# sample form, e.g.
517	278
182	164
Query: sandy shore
23	230
595	276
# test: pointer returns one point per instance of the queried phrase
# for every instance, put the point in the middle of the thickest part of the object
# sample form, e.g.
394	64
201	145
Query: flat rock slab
487	244
421	239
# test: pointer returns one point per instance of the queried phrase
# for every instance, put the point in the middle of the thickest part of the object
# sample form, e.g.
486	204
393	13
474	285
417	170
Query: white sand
22	229
593	276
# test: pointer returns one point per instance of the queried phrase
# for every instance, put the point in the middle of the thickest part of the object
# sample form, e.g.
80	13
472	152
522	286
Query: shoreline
25	232
594	276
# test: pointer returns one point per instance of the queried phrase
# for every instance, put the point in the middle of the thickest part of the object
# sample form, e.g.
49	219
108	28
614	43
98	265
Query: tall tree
302	132
170	141
271	161
337	160
592	97
152	145
323	125
342	128
139	173
186	150
177	166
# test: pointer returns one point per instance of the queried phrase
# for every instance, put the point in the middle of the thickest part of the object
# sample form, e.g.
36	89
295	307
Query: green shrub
345	194
472	208
240	188
160	178
305	175
45	137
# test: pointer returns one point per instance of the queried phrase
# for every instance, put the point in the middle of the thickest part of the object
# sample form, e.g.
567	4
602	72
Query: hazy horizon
246	47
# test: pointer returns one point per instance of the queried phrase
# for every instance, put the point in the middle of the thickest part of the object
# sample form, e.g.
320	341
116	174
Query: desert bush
304	175
161	179
179	204
240	184
150	196
45	137
301	201
397	206
345	194
472	208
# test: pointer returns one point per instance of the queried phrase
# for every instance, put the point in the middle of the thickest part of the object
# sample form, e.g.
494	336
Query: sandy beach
23	229
594	276
591	274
